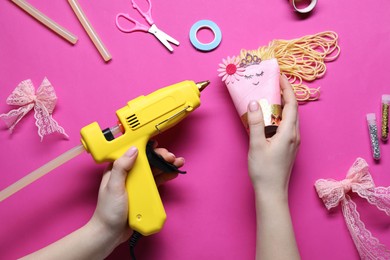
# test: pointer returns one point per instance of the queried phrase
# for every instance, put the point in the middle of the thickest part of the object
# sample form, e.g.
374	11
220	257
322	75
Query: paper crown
249	60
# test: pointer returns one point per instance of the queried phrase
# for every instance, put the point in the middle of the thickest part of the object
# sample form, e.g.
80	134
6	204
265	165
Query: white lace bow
43	102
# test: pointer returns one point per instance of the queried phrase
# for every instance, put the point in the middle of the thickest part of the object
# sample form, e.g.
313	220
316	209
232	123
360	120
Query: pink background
211	209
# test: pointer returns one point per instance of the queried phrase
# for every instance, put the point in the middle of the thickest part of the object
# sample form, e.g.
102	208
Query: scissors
152	28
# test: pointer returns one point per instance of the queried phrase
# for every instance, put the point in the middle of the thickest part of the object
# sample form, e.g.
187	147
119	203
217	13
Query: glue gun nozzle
202	85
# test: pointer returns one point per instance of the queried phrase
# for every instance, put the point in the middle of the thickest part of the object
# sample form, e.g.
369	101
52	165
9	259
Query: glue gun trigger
157	161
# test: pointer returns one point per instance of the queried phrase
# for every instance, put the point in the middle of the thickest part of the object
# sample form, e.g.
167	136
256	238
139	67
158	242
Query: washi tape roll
305	9
208	25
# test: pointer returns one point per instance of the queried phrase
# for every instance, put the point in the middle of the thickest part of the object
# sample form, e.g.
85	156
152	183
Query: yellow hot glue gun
140	120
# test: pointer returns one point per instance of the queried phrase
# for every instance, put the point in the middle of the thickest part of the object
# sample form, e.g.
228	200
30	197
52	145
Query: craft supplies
208	25
373	131
46	21
62	31
139	121
254	79
360	182
152	28
43	102
90	30
385	117
303	6
254	74
301	59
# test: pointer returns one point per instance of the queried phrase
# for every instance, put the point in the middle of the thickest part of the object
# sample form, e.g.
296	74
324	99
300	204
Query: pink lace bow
358	180
43	102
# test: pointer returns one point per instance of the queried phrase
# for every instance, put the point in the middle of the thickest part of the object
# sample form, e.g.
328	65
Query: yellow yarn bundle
301	59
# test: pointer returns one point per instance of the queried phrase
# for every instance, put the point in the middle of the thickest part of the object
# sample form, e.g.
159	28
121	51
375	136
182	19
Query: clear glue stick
385	117
373	131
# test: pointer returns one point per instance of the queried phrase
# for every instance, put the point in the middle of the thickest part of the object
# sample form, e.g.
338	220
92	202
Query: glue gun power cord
132	242
157	161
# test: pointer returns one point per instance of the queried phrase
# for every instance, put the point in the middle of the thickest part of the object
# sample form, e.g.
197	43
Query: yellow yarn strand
301	59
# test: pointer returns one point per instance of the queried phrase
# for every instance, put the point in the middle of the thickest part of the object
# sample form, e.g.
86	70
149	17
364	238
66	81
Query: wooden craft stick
90	30
46	21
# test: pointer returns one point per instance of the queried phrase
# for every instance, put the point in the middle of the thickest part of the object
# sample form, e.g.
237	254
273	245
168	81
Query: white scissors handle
163	37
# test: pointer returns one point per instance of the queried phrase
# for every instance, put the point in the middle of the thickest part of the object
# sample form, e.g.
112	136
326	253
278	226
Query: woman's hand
111	213
270	161
108	226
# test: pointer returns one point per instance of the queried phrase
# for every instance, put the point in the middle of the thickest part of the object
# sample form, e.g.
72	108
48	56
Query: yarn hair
301	59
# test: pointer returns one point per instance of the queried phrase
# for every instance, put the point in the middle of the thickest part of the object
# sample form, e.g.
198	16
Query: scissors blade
163	37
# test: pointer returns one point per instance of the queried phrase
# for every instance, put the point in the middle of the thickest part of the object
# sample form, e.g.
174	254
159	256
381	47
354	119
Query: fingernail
131	152
253	106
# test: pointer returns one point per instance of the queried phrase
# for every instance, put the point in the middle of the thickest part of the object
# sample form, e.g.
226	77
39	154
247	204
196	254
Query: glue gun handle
146	211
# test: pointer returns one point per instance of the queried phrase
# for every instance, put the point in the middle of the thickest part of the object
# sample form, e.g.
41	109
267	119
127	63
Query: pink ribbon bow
358	180
43	102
